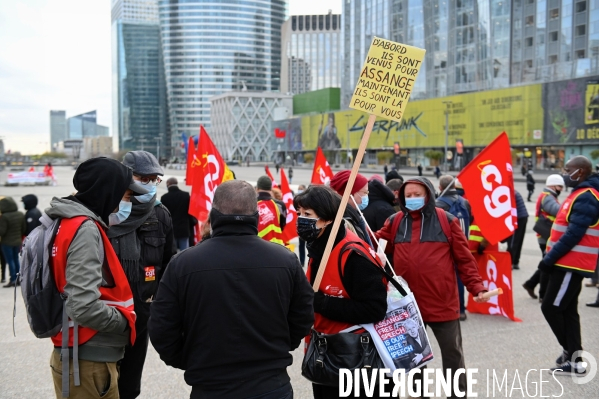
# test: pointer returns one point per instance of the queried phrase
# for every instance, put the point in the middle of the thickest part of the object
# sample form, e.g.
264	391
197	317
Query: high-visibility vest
539	209
583	257
475	238
269	225
332	283
118	294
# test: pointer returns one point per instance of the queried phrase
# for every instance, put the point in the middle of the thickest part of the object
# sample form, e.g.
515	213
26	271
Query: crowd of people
229	309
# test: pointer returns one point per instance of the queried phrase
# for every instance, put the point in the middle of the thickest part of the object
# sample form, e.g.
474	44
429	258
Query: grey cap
143	163
264	183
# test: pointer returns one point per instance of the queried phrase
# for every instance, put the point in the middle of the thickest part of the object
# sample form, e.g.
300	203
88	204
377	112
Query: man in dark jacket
33	215
423	256
12	230
445	201
530	184
231	320
514	243
571	256
177	202
380	204
144	244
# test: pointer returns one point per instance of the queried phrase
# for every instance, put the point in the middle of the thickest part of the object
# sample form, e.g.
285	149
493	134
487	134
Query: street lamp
157	148
448	103
348	146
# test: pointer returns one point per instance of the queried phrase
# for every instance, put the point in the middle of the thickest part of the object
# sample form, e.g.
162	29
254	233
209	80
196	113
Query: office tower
476	45
140	116
82	126
310	53
58	128
213	47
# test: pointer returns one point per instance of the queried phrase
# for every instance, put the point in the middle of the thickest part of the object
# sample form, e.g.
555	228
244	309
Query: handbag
327	353
543	227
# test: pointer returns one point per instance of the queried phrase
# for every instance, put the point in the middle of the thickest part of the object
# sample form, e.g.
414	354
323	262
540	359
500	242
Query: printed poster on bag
400	337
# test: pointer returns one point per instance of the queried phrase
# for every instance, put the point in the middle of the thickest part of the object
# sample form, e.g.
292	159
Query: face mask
569	181
364	203
121	215
557	192
414	203
300	191
306	228
147	197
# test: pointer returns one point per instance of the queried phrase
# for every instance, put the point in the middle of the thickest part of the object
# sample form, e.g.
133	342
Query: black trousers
3	265
539	277
132	364
560	308
514	244
327	392
449	337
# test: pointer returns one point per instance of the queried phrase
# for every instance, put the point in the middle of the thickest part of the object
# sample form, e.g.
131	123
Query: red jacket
423	257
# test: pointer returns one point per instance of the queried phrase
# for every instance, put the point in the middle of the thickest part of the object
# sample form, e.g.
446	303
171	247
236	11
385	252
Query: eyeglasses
146	180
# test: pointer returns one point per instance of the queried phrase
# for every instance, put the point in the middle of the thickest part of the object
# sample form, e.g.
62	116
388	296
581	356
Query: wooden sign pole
344	200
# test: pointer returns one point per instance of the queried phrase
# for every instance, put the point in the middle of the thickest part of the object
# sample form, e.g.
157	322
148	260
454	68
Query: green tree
434	156
309	157
384	157
595	154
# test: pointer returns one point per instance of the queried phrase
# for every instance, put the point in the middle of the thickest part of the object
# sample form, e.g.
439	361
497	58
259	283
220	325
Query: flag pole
344	200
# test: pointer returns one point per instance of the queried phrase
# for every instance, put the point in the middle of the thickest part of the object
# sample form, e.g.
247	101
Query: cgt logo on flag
498	200
280	134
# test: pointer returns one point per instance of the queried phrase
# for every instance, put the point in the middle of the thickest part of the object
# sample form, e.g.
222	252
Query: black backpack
43	303
458	209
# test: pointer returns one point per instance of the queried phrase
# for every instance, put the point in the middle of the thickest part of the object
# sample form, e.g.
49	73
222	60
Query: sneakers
569	368
463	316
563	358
530	291
515	267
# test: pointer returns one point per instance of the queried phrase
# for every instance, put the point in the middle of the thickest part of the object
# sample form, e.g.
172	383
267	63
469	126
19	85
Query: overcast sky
56	54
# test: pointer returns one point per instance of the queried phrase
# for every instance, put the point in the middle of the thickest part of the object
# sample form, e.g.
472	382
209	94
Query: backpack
458	209
43	302
443	219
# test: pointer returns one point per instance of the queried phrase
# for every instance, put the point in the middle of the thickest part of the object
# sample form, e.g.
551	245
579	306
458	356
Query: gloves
481	248
544	267
319	301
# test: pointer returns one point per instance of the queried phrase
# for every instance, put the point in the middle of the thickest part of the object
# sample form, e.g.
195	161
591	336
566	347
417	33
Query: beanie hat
143	163
264	183
393	175
339	182
555	180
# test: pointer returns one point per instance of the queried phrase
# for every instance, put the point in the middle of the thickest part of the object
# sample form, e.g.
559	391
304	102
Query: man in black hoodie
33	215
380	205
231	320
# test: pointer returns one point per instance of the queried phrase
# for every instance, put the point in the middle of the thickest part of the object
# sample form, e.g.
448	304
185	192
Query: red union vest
269	227
539	209
583	257
332	284
119	296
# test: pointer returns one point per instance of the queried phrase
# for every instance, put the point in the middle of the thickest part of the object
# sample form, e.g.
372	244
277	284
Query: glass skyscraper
140	116
213	47
310	53
58	128
474	45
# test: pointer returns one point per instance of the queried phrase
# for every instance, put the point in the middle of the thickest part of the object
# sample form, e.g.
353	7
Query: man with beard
144	243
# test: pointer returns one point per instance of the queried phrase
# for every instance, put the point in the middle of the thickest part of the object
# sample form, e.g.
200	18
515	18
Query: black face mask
306	228
569	181
557	192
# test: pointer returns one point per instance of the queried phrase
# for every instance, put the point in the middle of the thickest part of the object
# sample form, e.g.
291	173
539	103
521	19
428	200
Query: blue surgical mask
147	197
414	203
121	215
364	203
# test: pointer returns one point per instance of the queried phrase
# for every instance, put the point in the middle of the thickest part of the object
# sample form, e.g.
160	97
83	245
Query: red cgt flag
210	173
489	185
290	231
495	268
274	182
322	173
191	162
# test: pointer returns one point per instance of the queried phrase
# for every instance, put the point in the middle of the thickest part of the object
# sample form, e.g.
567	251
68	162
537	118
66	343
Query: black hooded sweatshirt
33	215
380	205
101	183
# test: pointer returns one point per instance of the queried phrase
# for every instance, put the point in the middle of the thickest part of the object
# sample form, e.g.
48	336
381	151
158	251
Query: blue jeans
182	243
461	293
11	254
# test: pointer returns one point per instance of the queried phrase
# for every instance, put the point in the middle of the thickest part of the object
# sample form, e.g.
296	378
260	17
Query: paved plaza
490	342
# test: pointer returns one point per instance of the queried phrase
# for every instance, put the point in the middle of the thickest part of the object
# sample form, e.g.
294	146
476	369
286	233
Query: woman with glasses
144	243
352	290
